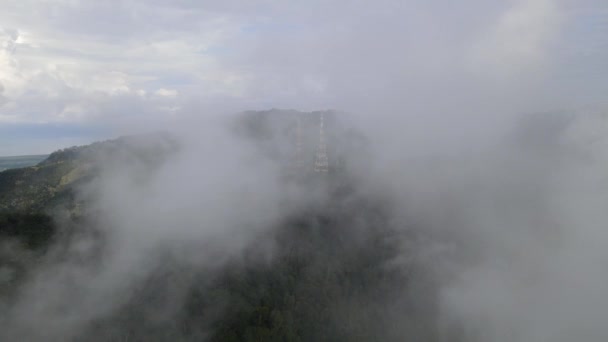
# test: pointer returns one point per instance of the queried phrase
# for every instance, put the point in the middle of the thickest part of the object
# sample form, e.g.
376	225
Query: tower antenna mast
321	159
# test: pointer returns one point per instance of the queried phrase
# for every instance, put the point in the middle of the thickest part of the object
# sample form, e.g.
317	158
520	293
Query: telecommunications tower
321	159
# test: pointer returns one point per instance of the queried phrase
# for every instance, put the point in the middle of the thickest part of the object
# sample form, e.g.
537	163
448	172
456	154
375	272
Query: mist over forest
242	171
155	237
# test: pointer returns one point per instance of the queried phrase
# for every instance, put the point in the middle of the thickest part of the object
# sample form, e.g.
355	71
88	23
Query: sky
72	72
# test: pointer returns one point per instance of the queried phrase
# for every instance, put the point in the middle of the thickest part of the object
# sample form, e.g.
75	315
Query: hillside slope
331	266
51	182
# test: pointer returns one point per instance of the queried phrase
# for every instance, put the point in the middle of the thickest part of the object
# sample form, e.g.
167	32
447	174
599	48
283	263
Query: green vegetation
324	285
32	189
51	183
33	231
334	275
333	272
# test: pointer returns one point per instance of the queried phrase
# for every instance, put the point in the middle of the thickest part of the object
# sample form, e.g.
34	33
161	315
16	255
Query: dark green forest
334	276
338	269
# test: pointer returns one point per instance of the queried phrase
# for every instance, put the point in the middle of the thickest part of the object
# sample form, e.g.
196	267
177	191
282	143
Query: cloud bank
120	64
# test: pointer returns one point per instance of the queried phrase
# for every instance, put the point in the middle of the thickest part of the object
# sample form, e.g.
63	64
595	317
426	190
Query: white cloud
166	92
520	38
2	97
78	54
10	75
59	56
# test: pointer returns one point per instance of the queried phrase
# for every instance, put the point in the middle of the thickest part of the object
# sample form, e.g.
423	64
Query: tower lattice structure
321	159
299	158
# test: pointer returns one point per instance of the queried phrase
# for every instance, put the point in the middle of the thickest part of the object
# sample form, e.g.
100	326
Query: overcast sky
75	71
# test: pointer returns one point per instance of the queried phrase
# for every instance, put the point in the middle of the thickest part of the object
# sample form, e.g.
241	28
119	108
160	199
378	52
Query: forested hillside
335	275
330	267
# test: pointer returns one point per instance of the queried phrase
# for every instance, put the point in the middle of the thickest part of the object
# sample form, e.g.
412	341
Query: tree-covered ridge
291	137
334	274
34	198
52	182
32	188
334	268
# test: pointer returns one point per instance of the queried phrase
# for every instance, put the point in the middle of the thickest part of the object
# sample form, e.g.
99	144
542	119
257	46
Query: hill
51	182
329	267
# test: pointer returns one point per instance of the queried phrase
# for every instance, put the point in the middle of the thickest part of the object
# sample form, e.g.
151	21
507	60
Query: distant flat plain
20	161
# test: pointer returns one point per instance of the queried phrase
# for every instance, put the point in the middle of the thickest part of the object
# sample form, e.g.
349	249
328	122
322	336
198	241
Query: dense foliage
332	273
335	270
33	230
